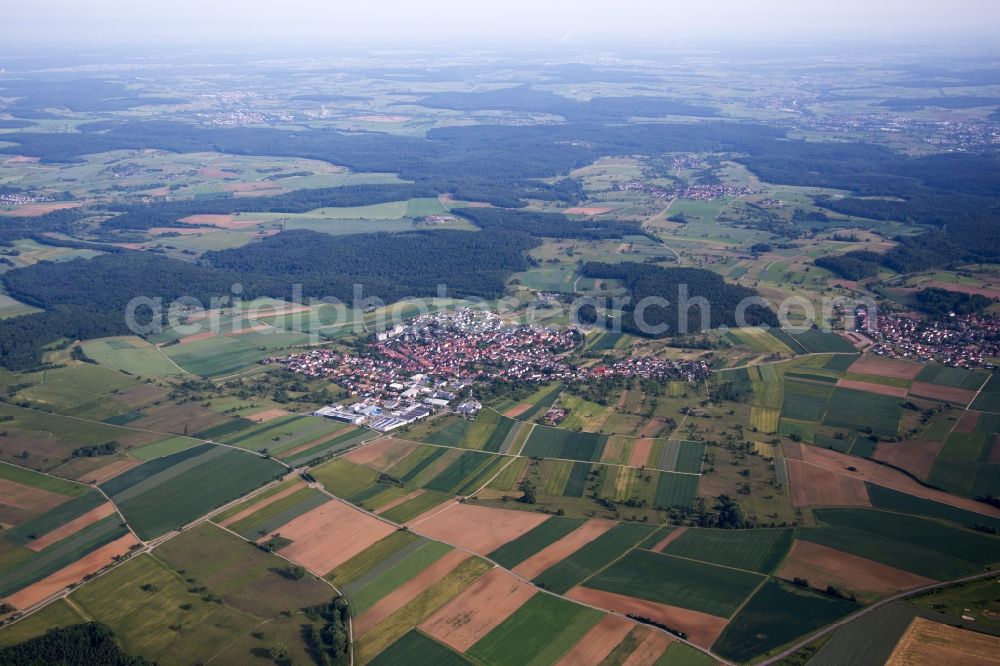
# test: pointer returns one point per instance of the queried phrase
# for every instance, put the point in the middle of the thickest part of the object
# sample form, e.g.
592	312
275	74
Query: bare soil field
880	389
478	528
221	221
968	421
380	454
916	456
563	548
406	592
885	367
944	393
72	527
652	428
517	410
701	628
330	535
28	498
195	337
109	471
588	210
598	642
652	644
665	541
927	642
268	415
478	609
400	500
815	486
867	470
254	507
73	573
822	566
640	451
39	209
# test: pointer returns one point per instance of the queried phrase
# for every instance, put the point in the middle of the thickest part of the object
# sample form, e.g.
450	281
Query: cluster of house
696	192
17	198
964	341
409	371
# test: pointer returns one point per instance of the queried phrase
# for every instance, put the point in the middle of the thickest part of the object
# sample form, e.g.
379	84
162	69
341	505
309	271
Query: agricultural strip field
858	410
678	582
168	492
776	614
758	550
418	649
893	500
925	547
514	552
593	557
540	631
545	442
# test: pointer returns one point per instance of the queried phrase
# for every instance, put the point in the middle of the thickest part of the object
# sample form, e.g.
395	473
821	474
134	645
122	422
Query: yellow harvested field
927	642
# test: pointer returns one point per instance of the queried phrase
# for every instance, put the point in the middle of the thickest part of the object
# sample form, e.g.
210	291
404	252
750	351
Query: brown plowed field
517	410
381	454
72	527
944	393
257	506
652	645
822	566
640	452
896	368
478	528
597	643
916	456
406	592
701	628
815	486
73	573
478	609
879	389
968	421
563	548
330	535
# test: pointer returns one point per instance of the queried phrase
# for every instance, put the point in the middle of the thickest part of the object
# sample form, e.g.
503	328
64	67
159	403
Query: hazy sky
419	21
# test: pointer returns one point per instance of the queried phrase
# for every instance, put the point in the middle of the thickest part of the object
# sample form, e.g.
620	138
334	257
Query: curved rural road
868	609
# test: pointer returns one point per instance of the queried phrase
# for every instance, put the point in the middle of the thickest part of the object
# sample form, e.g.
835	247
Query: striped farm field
414	507
777	613
859	410
390	573
545	442
523	547
593	556
540	631
673	489
168	492
275	514
418	649
758	550
760	340
805	400
676	581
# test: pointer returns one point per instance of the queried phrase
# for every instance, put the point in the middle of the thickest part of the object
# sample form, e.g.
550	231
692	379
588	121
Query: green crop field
805	400
514	552
410	509
871	641
246	577
892	500
963	446
417	649
142	620
540	631
976	547
777	614
593	557
271	517
133	355
52	616
164	447
386	549
344	478
215	356
757	550
53	518
284	433
674	489
677	582
178	488
935	373
364	592
859	410
41	481
60	554
815	341
545	442
466	473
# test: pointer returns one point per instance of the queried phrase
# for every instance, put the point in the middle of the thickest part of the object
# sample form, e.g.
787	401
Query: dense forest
75	645
549	225
938	302
84	299
648	280
167	214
